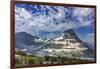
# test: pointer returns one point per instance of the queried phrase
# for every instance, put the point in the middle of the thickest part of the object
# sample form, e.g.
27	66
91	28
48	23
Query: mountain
67	44
70	34
23	39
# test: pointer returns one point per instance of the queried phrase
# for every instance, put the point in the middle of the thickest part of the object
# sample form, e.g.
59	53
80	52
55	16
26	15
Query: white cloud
83	14
81	11
34	23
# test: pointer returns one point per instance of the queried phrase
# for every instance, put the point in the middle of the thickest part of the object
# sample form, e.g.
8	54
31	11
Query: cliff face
70	34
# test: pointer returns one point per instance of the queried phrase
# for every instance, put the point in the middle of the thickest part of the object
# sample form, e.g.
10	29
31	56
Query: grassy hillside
23	59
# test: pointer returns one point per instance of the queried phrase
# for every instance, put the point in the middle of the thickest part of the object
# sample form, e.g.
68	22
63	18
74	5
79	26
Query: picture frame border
12	31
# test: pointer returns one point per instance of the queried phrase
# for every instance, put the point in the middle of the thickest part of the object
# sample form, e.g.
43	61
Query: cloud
51	19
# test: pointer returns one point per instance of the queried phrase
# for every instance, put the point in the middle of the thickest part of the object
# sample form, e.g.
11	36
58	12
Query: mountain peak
70	34
24	39
68	31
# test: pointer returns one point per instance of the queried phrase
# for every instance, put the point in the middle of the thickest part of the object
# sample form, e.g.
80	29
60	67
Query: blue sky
50	21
